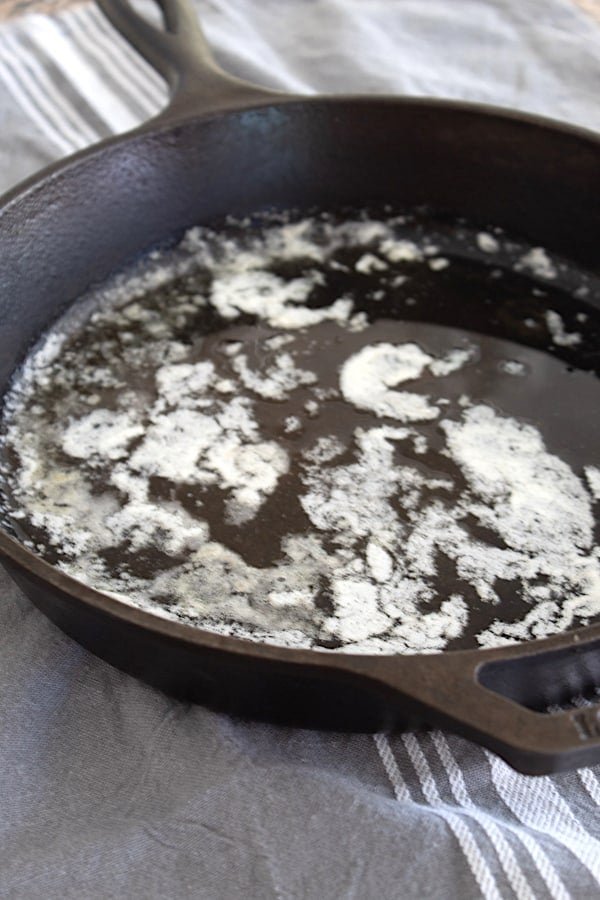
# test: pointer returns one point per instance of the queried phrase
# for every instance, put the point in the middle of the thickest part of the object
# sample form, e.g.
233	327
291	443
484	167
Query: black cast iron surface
226	148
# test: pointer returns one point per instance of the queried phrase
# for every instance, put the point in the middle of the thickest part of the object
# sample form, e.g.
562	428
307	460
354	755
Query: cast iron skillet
223	146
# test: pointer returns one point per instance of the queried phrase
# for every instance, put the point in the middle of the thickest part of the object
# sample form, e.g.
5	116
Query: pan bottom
345	432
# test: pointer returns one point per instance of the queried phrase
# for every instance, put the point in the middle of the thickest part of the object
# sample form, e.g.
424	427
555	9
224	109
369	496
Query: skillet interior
89	218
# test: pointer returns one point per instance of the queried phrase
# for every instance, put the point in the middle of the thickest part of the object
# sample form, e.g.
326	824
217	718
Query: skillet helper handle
180	53
508	699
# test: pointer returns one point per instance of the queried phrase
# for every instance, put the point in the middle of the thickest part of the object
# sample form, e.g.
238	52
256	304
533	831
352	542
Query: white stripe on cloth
506	856
538	805
46	34
469	846
119	77
131	77
391	767
10	78
61	116
590	782
99	28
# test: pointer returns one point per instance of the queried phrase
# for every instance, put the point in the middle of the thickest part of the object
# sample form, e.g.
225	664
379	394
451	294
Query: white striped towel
110	789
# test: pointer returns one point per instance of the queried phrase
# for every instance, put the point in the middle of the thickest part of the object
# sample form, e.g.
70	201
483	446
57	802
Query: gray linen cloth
110	789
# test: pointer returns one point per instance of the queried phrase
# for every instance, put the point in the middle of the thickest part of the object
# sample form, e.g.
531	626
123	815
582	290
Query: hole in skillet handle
548	682
179	52
153	13
561	687
170	38
172	41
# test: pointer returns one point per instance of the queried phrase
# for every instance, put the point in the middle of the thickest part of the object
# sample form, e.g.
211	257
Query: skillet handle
510	700
181	55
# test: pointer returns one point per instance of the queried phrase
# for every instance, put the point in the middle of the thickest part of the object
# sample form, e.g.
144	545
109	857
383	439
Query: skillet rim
171	117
